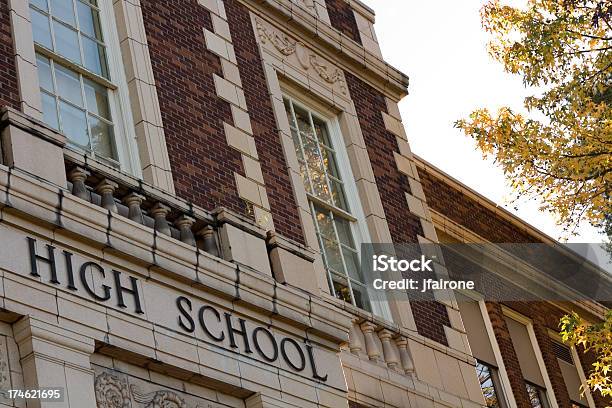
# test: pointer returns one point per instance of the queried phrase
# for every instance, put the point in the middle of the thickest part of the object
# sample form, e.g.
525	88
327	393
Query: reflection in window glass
487	376
331	212
537	396
75	94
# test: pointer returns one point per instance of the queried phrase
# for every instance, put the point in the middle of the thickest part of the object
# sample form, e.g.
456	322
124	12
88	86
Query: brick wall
203	164
429	316
9	90
342	18
511	362
267	139
454	204
457	206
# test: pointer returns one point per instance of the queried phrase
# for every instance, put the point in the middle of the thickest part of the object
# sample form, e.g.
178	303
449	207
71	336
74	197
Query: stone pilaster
55	358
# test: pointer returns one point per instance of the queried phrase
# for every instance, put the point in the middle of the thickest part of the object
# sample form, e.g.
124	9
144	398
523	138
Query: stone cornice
50	206
333	44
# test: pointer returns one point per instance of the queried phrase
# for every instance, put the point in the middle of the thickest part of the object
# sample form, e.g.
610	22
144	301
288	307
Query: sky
441	46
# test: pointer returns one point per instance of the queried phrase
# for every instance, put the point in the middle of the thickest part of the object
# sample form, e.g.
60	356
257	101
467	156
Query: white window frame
356	216
507	392
118	95
528	323
578	364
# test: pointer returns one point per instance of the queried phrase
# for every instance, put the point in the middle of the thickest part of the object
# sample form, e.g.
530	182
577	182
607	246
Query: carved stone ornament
307	59
111	391
308	5
158	399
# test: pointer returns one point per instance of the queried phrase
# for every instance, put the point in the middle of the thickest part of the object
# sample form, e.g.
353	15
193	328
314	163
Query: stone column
52	357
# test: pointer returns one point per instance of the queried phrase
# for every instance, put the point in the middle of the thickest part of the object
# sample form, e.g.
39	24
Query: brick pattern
430	316
203	165
546	317
513	368
457	206
472	215
265	131
9	88
342	18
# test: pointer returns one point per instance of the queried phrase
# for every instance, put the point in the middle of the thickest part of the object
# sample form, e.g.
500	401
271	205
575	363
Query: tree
596	338
560	149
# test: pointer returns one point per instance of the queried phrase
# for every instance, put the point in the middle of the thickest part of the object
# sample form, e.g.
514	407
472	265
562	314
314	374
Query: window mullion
56	95
346	274
301	146
320	239
316	139
82	84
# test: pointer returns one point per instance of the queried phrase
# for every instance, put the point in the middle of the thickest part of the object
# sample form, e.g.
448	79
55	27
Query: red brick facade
342	18
430	316
464	210
203	164
457	206
9	90
513	368
267	139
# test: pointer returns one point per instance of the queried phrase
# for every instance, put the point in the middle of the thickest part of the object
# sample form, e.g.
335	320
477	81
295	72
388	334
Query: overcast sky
441	46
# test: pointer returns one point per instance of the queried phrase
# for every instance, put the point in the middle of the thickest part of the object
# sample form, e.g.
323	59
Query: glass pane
44	73
326	228
68	85
361	297
41	4
352	264
344	232
296	144
66	42
89	21
332	253
303	121
304	175
49	108
535	396
64	10
321	130
341	288
319	184
329	161
338	195
311	151
95	57
102	141
74	124
97	99
40	29
288	111
486	385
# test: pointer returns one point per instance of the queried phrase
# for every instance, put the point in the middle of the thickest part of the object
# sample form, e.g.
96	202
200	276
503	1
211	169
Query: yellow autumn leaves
560	149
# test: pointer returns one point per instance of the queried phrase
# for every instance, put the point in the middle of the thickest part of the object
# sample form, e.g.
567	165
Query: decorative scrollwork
309	5
281	42
158	399
111	391
331	76
287	46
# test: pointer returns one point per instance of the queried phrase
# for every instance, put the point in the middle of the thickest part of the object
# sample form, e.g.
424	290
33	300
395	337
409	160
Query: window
537	396
325	187
490	385
79	97
569	372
